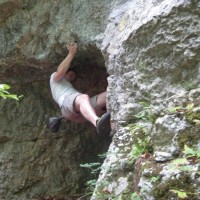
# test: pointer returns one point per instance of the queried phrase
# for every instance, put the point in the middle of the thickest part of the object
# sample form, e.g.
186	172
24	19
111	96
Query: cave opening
74	144
91	71
91	79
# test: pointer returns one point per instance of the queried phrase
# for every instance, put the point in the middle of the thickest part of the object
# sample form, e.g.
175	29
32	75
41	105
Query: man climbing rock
74	105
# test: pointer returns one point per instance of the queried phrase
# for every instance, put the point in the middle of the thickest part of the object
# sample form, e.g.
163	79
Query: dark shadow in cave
91	79
91	71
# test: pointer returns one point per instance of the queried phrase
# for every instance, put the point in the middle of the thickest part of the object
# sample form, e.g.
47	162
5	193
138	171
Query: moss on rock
163	190
189	137
192	115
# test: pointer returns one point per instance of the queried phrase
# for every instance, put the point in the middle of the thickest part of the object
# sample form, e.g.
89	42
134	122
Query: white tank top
60	89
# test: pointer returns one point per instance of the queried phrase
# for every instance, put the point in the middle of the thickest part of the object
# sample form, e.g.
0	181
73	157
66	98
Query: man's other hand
72	48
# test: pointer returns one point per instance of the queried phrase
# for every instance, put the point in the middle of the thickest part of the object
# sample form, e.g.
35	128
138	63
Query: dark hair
72	69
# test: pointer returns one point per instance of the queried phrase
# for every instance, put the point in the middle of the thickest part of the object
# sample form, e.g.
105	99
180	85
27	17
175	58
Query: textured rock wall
151	52
152	55
33	36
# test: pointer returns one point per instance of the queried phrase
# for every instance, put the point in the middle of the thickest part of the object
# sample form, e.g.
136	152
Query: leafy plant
188	85
145	114
94	167
135	128
181	164
189	152
140	147
103	155
5	94
180	161
184	165
135	196
181	194
91	184
181	108
154	179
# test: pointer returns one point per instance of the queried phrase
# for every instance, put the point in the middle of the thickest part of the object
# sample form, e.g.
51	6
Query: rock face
146	53
152	51
35	163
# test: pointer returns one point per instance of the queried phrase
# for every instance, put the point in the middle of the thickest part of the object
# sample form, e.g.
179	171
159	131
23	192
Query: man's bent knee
79	100
83	97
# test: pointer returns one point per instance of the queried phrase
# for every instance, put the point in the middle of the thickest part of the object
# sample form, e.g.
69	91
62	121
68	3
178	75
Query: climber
74	105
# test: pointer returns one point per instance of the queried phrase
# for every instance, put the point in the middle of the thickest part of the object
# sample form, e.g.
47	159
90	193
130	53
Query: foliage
103	155
190	111
181	108
146	113
91	185
141	140
95	168
140	147
184	164
154	179
5	94
189	152
139	129
135	196
188	85
181	194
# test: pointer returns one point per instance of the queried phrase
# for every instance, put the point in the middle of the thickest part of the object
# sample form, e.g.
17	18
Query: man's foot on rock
103	125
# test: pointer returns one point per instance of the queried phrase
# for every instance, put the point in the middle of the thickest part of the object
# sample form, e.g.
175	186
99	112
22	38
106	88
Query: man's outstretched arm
65	64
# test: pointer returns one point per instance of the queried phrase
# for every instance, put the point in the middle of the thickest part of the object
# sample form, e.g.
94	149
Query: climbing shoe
103	125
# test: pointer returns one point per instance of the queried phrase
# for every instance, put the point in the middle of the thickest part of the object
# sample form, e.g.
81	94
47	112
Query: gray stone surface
33	34
150	50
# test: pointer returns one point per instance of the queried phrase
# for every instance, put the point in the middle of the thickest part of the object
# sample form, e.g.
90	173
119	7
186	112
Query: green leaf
12	96
90	165
180	161
135	196
174	109
4	87
186	168
4	92
198	154
103	155
91	182
188	150
135	152
154	179
180	194
190	106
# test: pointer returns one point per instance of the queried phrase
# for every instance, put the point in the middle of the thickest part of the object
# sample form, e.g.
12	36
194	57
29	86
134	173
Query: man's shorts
67	107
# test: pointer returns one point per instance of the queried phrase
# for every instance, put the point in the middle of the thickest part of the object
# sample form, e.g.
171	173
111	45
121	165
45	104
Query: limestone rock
145	53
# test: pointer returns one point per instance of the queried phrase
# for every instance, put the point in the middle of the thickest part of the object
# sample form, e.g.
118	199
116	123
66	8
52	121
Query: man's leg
98	102
82	105
101	101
